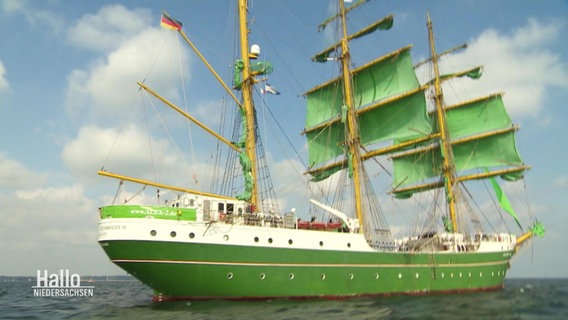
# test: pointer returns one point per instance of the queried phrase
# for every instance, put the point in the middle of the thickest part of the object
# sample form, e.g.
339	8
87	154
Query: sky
70	105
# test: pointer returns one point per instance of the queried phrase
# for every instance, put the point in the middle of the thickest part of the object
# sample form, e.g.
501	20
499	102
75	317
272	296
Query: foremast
247	108
246	148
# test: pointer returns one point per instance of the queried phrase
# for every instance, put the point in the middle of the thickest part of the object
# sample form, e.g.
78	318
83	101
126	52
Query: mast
448	167
248	105
353	141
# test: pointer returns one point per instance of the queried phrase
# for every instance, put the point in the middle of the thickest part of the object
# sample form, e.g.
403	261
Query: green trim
138	211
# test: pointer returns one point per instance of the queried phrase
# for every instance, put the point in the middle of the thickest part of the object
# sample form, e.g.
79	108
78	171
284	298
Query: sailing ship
204	245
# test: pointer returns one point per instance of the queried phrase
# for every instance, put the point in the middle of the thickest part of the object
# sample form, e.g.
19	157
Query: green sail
470	120
482	115
398	117
403	117
385	77
490	151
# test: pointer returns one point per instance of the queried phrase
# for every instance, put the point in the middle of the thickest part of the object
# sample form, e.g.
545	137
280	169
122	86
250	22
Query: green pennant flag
474	73
504	201
537	229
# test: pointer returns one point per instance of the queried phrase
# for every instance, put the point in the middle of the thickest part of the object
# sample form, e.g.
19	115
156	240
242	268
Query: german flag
169	23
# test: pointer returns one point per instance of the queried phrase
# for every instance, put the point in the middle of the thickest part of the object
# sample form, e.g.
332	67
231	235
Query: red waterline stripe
158	298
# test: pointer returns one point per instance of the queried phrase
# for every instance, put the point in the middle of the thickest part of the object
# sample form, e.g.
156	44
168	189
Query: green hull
207	271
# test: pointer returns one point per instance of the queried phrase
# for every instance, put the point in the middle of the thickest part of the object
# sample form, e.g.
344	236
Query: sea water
520	299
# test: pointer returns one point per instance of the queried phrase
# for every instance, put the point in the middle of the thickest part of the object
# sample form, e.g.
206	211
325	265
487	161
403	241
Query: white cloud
11	6
520	64
3	81
561	181
108	90
40	223
47	228
14	175
130	148
109	27
41	19
132	152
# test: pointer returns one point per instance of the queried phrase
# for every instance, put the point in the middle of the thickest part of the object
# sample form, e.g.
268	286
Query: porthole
493	273
377	276
400	275
351	276
443	275
290	241
173	234
291	276
226	237
348	244
153	233
269	240
460	274
262	276
323	276
255	239
481	274
230	275
469	274
191	235
452	275
417	275
321	243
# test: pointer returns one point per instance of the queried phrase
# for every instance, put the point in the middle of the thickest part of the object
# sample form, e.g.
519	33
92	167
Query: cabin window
230	208
221	207
153	233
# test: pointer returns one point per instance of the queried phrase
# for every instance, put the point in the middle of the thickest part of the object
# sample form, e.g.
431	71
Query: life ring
222	216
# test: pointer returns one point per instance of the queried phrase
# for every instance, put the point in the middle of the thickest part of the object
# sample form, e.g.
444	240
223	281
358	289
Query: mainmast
248	105
448	167
353	141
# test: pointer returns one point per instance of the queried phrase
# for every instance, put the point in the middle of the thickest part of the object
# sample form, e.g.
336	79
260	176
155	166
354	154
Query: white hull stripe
260	264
